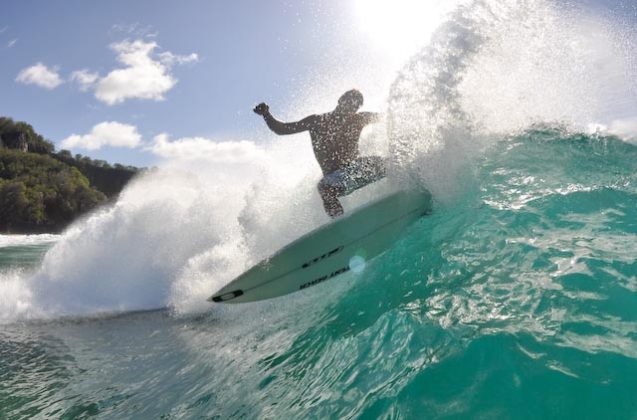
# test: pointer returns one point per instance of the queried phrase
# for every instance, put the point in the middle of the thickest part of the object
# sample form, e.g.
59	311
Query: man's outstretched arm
282	128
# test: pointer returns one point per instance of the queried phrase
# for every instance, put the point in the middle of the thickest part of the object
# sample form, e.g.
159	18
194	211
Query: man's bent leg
329	194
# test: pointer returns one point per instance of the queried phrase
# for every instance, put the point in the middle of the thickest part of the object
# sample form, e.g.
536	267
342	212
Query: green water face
26	256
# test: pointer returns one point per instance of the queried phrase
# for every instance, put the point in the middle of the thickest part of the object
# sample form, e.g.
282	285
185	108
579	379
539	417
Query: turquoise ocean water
520	301
516	298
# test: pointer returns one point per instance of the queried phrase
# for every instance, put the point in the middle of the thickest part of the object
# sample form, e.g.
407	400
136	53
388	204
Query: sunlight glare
398	26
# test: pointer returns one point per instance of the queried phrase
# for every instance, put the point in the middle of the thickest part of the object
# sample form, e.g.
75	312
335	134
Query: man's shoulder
317	119
368	117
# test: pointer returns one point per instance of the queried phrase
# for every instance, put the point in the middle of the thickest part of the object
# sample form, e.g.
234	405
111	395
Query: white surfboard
330	250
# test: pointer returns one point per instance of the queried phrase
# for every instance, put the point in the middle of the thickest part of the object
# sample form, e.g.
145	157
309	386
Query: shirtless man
335	137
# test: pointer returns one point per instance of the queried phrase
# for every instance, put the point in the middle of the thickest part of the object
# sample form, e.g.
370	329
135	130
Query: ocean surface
516	298
519	301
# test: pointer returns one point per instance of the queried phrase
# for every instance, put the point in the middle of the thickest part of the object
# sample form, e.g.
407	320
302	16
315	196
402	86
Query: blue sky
209	63
86	74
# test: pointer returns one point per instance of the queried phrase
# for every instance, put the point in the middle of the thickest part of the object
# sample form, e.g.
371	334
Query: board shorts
360	172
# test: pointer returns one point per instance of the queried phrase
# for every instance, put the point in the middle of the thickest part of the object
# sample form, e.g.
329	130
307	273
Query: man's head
350	102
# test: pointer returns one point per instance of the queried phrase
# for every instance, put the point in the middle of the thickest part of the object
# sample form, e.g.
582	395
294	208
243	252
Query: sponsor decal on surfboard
323	278
322	257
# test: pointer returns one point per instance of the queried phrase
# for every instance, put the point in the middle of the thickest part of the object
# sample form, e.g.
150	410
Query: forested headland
43	190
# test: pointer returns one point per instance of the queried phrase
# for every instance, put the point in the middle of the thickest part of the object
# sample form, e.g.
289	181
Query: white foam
26	240
16	299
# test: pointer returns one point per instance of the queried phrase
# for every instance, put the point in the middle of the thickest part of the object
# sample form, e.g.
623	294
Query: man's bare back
335	136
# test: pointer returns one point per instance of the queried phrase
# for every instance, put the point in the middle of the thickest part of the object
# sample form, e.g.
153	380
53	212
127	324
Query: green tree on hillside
38	192
36	143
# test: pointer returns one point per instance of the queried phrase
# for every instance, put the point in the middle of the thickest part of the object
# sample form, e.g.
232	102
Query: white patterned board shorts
360	172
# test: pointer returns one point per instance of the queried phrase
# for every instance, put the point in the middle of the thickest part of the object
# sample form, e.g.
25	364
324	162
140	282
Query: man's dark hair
352	96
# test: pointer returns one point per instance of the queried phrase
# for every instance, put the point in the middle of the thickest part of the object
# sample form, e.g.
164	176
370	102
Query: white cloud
11	43
169	59
108	133
134	30
195	148
40	75
84	78
144	77
4	29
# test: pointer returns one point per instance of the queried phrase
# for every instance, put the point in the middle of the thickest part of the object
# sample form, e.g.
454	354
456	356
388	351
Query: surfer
335	137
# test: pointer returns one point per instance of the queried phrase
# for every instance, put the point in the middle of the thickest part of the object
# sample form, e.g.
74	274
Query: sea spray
176	234
495	69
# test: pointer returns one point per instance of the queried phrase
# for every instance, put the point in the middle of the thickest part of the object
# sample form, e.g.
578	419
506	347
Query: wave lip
493	70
